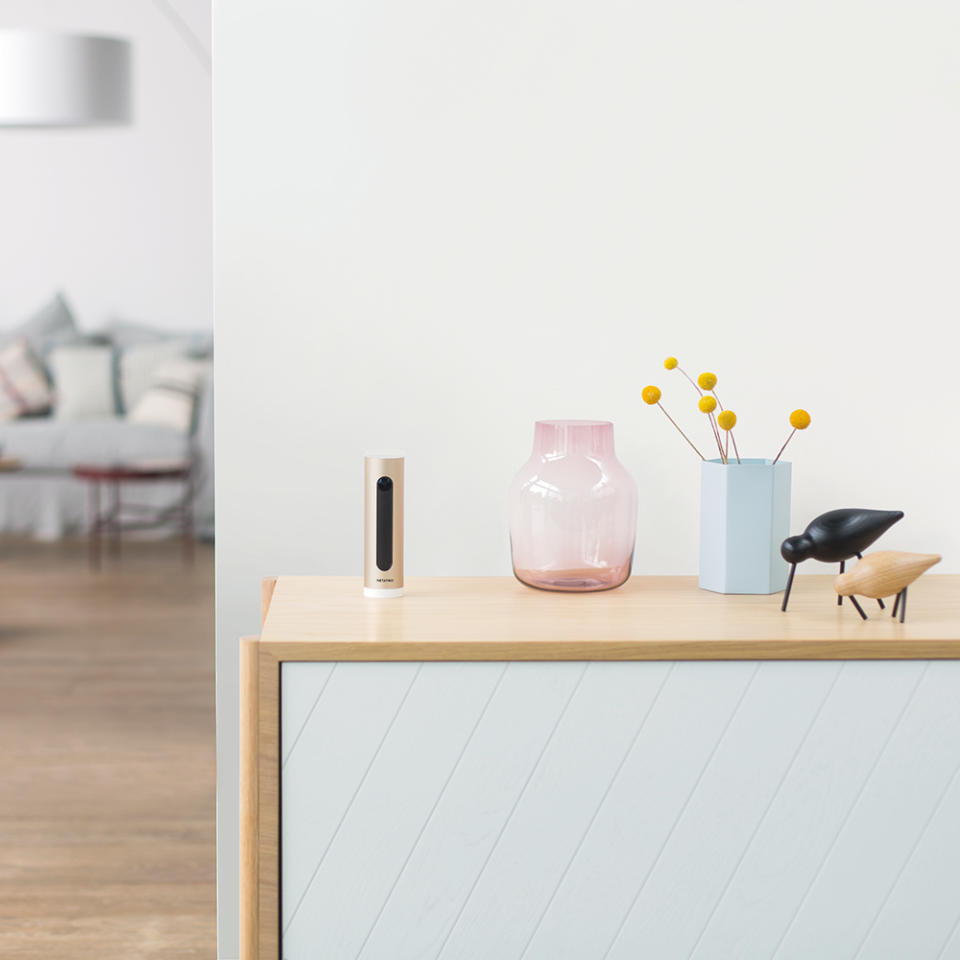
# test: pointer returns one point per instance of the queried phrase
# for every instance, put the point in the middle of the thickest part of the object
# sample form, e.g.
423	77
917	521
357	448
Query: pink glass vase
573	510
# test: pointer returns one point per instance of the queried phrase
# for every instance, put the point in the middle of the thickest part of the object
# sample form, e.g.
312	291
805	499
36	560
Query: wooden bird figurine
883	574
835	537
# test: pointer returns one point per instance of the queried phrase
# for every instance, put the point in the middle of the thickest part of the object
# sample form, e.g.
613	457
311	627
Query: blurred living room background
106	479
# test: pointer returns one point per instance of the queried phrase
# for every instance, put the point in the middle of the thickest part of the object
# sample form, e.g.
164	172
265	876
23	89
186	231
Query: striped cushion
23	384
171	397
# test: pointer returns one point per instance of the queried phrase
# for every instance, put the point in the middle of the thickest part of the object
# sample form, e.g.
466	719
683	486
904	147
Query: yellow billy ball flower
707	404
800	419
707	381
670	363
726	420
650	395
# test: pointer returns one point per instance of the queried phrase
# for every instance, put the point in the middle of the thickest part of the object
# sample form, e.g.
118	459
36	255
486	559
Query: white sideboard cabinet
480	771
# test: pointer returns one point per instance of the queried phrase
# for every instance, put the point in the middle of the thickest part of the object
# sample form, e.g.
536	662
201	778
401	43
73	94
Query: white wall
439	222
119	218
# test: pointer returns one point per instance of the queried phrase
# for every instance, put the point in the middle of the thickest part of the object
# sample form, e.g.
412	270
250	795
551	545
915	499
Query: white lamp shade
61	79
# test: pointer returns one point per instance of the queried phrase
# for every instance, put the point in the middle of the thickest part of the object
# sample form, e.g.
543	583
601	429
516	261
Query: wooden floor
107	750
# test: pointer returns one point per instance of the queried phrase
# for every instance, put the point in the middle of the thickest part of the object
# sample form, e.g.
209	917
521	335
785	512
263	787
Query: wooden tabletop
142	470
649	618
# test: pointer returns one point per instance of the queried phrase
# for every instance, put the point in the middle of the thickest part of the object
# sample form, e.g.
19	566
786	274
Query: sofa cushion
82	381
48	443
139	365
172	397
23	383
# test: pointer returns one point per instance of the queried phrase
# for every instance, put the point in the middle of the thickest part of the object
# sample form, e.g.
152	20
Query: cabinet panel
595	810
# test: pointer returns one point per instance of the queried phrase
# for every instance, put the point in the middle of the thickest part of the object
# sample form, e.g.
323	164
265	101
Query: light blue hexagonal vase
744	517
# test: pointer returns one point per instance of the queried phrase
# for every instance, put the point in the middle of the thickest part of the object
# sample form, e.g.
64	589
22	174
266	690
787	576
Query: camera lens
384	483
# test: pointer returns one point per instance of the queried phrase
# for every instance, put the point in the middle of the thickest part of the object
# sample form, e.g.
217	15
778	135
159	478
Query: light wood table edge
259	801
299	628
504	650
267	586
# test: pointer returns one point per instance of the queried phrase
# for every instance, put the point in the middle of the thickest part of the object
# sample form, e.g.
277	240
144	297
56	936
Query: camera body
383	526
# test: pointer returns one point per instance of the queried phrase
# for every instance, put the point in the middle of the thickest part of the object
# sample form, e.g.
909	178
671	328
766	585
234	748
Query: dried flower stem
682	434
735	450
730	435
693	383
784	447
716	436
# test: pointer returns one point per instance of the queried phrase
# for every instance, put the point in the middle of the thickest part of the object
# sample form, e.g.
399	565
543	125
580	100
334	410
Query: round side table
110	521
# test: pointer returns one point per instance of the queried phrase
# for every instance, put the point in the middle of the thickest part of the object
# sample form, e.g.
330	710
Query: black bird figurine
835	537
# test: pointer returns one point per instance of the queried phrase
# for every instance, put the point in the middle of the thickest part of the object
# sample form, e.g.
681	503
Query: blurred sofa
92	420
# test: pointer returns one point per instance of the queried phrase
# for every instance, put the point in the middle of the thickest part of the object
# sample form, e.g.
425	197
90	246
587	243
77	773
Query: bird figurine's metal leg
903	605
786	593
879	601
896	604
859	609
843	564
